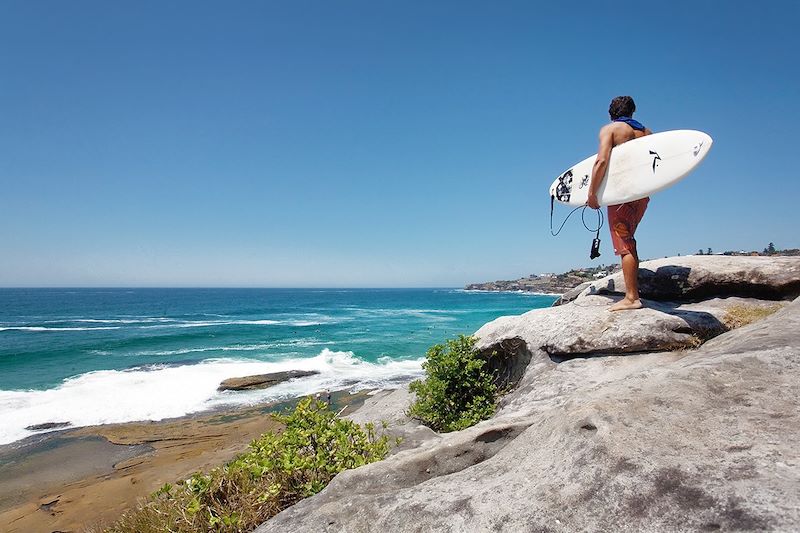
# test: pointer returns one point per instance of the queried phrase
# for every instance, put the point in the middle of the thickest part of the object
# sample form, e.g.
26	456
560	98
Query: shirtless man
623	218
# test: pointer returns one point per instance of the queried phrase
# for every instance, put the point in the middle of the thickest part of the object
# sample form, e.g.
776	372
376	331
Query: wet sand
86	477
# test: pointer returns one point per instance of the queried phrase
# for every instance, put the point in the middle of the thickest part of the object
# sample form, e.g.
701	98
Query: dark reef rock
48	425
262	381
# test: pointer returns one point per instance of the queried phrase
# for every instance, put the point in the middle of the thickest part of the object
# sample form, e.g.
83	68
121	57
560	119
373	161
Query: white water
158	392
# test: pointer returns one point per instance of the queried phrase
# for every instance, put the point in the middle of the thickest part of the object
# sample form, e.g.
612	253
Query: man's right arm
600	166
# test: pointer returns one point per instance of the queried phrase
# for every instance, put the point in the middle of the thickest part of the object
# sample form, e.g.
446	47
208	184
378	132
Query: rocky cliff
660	419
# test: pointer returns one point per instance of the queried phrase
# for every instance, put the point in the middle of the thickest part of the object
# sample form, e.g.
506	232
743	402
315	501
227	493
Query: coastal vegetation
737	316
278	470
457	391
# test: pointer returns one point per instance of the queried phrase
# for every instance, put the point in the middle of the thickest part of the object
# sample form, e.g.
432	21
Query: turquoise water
90	356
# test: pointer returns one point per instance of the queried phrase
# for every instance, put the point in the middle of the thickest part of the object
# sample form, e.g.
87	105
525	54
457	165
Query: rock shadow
507	360
671	282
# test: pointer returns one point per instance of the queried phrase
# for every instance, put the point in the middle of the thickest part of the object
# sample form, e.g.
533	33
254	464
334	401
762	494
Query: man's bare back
622	133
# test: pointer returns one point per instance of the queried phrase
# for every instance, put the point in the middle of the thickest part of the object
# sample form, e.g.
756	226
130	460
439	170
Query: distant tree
771	248
708	252
700	251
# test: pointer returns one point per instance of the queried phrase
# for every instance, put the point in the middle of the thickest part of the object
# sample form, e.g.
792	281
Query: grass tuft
737	316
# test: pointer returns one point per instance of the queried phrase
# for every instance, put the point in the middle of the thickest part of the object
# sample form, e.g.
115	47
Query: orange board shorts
622	221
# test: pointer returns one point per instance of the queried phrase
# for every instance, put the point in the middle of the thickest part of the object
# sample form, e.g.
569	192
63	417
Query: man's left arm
600	166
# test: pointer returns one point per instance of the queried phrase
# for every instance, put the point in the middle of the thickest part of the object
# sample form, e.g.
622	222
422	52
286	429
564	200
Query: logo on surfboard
655	160
564	187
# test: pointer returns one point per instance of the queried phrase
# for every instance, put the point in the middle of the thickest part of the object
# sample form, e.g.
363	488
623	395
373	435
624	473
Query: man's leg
630	271
623	221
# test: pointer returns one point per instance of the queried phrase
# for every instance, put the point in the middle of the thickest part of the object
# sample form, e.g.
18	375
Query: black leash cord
600	219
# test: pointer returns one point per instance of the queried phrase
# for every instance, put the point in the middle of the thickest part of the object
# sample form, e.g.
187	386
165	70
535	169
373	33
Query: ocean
94	356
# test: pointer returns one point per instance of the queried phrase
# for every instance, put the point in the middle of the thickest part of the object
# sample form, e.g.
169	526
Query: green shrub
277	471
457	392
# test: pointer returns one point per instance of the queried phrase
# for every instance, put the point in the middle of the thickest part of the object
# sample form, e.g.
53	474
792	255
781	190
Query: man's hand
592	201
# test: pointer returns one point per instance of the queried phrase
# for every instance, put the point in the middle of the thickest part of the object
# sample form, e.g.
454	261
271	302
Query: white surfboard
637	168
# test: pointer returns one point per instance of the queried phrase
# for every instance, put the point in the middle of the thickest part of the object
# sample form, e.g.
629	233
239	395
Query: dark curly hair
621	106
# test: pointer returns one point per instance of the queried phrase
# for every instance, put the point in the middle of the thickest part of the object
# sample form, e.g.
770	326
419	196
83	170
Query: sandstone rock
587	327
386	410
387	406
689	440
262	381
697	277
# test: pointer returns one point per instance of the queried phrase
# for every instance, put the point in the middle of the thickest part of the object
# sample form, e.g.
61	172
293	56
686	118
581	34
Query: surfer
623	218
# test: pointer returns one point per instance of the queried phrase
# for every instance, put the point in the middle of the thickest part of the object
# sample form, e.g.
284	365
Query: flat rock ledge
670	437
697	277
262	381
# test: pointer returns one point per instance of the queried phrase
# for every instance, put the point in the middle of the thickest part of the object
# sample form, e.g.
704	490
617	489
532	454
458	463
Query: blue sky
372	143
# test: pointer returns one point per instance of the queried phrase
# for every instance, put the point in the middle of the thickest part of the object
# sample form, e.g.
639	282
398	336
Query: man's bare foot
625	305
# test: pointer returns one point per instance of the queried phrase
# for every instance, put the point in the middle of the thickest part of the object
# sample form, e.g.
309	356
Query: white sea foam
121	320
438	315
301	343
46	328
217	323
303	320
163	391
269	345
179	351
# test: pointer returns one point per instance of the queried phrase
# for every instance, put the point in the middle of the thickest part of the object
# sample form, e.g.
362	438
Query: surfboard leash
595	251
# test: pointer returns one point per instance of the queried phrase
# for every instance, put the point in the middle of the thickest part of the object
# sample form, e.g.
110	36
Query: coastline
516	291
73	479
543	285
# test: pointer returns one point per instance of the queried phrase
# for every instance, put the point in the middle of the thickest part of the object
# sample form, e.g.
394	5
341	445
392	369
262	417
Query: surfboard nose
703	145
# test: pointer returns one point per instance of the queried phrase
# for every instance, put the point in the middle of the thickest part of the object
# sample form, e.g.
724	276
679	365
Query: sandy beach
86	477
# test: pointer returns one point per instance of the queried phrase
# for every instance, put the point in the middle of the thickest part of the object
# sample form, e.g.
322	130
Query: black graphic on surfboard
564	187
655	159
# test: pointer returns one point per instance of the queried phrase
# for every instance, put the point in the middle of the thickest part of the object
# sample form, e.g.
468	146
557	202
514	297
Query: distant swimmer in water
623	219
